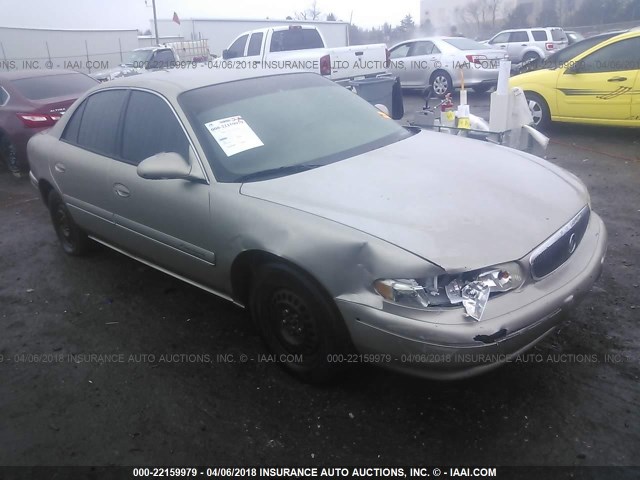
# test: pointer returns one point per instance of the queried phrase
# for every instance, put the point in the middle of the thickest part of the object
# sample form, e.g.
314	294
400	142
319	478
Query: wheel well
437	71
245	267
537	95
45	188
243	270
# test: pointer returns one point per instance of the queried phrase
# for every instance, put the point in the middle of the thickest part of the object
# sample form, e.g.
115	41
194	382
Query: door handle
617	79
121	190
524	45
60	168
359	54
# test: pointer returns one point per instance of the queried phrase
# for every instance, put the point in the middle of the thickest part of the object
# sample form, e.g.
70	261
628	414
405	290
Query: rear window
558	35
295	39
51	86
465	44
260	125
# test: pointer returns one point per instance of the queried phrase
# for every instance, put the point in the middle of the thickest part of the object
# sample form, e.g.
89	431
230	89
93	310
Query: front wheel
73	239
441	83
482	88
539	110
299	324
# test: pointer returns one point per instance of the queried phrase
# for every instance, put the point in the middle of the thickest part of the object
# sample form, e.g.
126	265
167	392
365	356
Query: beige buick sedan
348	237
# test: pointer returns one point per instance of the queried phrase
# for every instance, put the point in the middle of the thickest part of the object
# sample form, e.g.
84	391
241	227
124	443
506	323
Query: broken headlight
472	290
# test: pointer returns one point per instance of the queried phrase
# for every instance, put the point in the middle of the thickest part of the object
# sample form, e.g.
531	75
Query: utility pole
155	22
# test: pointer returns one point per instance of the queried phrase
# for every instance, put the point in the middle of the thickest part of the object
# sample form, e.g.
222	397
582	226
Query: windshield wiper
276	172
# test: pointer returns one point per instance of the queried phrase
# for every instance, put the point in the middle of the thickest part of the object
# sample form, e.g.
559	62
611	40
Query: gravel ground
172	409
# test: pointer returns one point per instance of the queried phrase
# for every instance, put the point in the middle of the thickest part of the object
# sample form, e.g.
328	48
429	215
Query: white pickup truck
302	47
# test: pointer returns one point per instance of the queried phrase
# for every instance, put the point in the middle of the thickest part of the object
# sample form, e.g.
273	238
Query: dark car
564	56
31	101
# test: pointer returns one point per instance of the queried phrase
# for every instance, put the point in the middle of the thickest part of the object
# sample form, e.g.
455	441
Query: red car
31	101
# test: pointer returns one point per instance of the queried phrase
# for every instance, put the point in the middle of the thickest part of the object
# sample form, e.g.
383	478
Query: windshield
283	124
465	44
137	58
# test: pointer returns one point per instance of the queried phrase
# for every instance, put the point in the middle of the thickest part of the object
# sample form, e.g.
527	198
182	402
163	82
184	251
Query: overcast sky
96	14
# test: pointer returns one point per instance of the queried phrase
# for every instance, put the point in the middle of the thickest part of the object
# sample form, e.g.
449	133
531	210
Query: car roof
528	28
173	82
20	74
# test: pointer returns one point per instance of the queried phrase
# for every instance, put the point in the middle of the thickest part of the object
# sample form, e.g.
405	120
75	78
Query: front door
164	221
601	84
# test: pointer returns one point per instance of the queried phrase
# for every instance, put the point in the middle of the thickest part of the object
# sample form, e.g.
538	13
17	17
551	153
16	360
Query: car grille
560	246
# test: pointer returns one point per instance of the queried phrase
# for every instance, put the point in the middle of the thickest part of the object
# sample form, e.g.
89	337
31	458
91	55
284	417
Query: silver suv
528	44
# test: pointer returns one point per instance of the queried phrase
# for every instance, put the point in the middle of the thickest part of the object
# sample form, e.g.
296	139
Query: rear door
164	221
518	42
602	87
81	160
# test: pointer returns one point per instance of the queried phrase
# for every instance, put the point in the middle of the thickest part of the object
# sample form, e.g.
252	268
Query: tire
295	318
531	56
539	110
482	88
74	241
10	157
441	83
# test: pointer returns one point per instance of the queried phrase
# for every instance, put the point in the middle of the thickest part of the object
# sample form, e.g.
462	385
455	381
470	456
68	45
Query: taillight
549	46
325	65
38	120
387	62
477	59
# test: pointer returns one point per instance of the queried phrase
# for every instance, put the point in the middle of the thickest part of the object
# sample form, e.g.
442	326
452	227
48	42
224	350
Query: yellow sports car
598	86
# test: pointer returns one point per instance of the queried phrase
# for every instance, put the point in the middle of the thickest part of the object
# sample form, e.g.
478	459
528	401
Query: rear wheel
539	110
441	83
299	324
10	157
530	57
73	239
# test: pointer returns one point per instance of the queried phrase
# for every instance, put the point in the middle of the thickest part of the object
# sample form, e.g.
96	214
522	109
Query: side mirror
573	69
226	54
165	165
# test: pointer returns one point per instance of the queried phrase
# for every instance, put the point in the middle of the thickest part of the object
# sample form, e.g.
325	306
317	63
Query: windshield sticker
233	135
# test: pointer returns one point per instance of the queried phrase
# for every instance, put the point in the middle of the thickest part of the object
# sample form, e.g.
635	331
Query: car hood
544	76
461	204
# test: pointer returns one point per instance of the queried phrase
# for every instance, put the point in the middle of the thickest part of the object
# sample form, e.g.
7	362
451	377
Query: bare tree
311	13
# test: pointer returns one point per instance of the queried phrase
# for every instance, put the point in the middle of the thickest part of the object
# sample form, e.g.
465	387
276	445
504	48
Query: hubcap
294	324
536	111
440	85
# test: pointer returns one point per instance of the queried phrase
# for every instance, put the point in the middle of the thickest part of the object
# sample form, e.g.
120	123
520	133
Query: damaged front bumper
445	345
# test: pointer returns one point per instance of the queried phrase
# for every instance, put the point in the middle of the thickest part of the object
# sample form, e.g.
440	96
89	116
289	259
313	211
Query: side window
162	59
400	51
617	57
150	127
254	44
72	128
519	36
4	96
100	121
500	38
238	46
422	48
539	35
